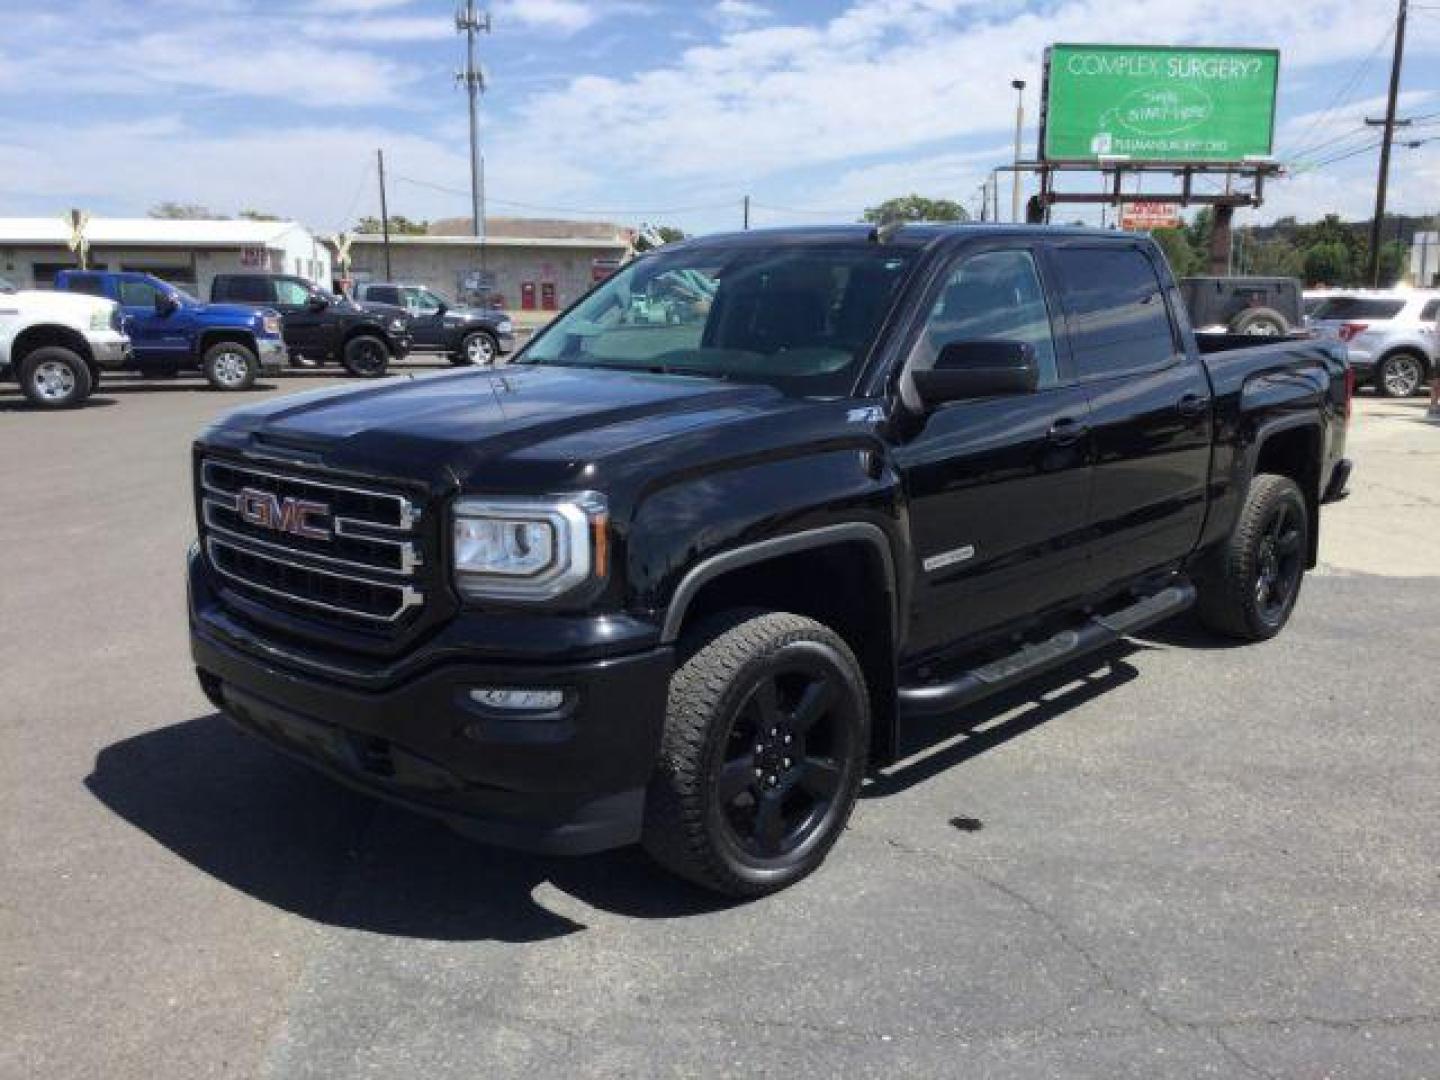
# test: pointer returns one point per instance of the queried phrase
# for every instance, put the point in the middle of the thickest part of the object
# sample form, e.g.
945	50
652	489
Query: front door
1150	409
997	488
427	317
158	338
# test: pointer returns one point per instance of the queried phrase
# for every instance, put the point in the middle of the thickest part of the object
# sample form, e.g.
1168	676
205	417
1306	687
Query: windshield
799	318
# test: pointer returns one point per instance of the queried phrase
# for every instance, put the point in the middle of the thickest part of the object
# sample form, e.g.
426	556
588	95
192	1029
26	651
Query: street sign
1138	104
1143	216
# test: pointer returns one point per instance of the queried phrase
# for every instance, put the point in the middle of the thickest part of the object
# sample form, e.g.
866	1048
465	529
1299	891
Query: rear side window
1430	311
1115	309
383	294
89	284
1358	307
253	290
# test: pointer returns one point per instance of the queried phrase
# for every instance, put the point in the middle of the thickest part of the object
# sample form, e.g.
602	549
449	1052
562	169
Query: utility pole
384	213
1385	140
470	22
1019	86
745	213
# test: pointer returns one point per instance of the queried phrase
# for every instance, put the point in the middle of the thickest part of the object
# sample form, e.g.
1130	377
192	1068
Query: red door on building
527	296
547	295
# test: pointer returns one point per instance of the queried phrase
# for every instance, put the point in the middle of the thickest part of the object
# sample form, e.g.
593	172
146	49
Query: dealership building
535	265
187	253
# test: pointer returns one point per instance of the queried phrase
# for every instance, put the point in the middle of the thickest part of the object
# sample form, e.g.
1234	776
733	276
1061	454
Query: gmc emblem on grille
299	517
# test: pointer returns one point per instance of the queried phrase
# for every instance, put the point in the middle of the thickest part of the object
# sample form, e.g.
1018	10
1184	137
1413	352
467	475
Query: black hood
515	428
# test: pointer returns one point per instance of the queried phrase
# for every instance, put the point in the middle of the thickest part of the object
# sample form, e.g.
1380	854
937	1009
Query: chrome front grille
330	550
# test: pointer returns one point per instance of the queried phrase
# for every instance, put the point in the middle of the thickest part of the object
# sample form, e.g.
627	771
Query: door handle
1066	431
1193	404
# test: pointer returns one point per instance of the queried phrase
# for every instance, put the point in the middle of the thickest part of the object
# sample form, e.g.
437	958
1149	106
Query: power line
1342	95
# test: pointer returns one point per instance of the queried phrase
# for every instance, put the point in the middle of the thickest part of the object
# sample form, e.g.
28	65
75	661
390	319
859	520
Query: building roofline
409	239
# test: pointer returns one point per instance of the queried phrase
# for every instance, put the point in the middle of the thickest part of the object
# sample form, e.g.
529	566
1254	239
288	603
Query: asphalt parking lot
1183	860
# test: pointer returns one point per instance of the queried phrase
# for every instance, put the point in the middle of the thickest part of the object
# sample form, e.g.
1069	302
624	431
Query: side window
1116	310
290	293
422	301
250	290
89	284
1430	312
383	294
995	296
137	293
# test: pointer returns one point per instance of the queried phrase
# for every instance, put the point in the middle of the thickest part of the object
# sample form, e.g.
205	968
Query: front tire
53	377
228	366
366	357
763	752
478	349
1254	577
1399	375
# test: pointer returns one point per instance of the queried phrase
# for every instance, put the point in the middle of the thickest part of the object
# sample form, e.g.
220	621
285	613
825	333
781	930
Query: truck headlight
505	326
397	324
103	319
271	324
529	549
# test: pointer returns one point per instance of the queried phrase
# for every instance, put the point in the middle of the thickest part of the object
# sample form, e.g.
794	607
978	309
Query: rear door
1150	407
998	487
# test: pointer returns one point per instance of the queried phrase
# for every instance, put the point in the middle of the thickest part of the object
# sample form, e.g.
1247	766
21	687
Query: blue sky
665	112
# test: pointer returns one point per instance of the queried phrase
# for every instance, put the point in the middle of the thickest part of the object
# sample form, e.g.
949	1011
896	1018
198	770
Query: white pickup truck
56	344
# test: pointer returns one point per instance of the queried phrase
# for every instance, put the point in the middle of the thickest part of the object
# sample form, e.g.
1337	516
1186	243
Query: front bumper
400	344
569	781
272	353
507	343
110	348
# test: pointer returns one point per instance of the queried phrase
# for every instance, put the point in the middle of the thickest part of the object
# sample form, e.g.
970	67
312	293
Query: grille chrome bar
406	596
410	558
407	514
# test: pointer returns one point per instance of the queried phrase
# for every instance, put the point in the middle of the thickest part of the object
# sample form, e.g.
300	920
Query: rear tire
1253	581
53	377
763	752
1399	375
366	357
228	365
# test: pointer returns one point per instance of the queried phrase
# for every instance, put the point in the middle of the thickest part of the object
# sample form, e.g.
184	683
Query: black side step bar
936	699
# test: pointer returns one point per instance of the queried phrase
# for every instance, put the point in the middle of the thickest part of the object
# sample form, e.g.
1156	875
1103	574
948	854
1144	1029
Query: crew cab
684	582
467	335
170	330
56	346
321	326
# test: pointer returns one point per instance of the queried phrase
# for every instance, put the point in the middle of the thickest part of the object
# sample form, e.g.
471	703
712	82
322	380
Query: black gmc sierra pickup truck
682	580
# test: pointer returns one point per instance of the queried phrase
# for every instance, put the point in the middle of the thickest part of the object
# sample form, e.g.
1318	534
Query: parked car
467	335
682	583
56	346
319	325
1391	335
170	330
1263	306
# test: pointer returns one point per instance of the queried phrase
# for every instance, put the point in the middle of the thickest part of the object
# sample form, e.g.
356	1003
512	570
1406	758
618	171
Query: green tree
1394	258
400	225
258	215
916	208
1184	260
1328	262
177	211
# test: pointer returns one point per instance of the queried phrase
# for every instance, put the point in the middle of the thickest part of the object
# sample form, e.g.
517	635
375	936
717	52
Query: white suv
1391	335
56	344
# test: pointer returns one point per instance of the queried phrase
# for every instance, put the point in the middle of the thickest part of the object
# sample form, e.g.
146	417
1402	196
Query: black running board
936	699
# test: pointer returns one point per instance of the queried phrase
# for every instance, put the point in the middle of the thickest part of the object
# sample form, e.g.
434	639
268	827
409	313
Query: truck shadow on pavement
291	838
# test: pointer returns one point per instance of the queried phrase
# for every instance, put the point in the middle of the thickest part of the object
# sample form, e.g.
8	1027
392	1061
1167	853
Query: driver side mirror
165	304
316	302
977	369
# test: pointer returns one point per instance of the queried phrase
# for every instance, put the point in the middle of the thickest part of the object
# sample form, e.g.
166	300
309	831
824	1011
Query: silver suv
1391	335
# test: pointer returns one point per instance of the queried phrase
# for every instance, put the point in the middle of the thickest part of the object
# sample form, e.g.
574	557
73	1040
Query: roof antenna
886	230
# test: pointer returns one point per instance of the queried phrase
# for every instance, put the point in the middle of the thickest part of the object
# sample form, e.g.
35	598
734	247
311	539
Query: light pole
1019	87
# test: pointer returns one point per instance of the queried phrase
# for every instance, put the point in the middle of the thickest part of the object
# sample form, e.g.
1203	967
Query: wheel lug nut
759	772
788	739
787	763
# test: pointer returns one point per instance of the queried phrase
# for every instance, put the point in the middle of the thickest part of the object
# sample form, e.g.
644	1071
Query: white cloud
735	14
382	29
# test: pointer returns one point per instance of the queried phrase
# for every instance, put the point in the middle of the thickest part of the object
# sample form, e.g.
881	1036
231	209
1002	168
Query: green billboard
1147	104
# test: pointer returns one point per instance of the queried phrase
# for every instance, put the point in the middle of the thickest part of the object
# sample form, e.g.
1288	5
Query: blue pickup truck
170	329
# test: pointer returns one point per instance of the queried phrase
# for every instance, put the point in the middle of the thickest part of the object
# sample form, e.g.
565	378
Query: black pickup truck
319	325
682	580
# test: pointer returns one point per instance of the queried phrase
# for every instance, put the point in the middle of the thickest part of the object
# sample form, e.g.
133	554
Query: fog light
517	700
